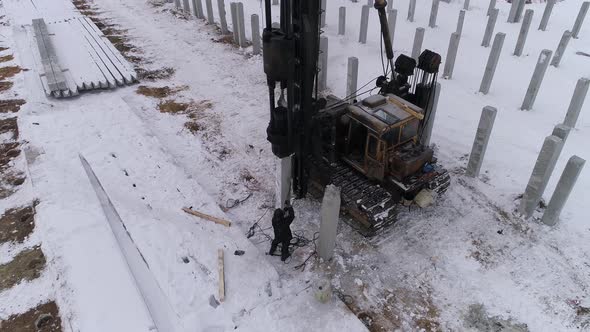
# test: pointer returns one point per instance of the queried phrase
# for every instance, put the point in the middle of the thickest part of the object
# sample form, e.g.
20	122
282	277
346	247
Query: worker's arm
289	215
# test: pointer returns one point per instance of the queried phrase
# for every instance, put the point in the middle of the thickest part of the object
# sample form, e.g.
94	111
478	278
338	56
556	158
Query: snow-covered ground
427	272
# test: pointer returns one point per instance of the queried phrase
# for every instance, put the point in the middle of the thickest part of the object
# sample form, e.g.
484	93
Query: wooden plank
207	217
124	67
221	275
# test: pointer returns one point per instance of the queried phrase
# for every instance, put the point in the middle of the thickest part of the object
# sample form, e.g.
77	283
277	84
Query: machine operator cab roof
389	117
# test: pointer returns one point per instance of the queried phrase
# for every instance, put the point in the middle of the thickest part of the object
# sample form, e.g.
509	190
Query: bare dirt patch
125	48
44	318
159	92
11	105
2	49
9	181
5	85
9	125
193	126
114	31
6	58
479	319
27	265
249	180
192	108
9	178
90	13
134	58
582	314
10	71
171	106
157	3
180	14
81	4
225	39
155	74
121	43
17	224
8	151
100	25
194	111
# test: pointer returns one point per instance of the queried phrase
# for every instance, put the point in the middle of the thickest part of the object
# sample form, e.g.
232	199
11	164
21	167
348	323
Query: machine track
370	204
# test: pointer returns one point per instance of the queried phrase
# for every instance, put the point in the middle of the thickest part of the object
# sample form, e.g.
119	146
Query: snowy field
469	263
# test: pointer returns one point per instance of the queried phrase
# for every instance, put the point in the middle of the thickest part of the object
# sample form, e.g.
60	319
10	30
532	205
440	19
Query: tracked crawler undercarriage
367	202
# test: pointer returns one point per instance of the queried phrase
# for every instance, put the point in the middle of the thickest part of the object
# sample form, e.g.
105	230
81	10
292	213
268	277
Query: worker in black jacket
281	224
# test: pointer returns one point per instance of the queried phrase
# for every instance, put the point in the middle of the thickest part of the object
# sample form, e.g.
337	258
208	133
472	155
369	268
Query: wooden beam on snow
221	275
207	217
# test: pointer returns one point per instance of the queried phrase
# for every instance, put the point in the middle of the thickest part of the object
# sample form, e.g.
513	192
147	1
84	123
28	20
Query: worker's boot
285	251
273	247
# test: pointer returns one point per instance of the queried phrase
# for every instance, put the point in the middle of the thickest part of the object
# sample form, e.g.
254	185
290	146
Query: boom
290	63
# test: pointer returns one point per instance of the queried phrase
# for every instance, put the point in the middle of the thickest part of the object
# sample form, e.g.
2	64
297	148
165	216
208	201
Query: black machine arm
380	6
290	62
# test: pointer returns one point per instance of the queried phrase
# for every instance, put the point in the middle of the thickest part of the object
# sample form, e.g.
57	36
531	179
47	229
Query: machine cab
380	129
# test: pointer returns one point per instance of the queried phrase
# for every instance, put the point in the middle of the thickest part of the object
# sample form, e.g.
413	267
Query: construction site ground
192	133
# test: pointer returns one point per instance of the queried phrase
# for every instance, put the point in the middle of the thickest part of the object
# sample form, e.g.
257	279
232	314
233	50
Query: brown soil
16	224
6	58
100	25
226	39
44	318
104	22
200	106
397	307
90	13
124	48
112	31
7	72
27	265
133	58
117	39
9	125
11	105
193	109
170	106
5	85
8	151
158	92
2	49
8	181
157	3
193	126
81	4
156	74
